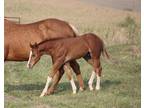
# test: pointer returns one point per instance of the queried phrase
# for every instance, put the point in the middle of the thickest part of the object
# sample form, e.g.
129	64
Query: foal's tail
105	53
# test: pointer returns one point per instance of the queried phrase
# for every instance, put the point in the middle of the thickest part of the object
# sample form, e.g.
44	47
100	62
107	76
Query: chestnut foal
66	50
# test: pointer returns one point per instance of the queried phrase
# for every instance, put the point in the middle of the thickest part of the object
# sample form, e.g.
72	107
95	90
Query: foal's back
79	46
91	40
88	40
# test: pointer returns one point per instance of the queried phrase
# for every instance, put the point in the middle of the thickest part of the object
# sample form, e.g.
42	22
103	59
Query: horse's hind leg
98	70
90	82
76	68
88	58
67	69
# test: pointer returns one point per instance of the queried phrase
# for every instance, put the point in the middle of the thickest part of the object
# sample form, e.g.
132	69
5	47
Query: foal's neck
46	48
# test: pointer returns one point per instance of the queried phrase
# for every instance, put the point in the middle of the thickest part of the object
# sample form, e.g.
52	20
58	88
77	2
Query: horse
18	37
65	50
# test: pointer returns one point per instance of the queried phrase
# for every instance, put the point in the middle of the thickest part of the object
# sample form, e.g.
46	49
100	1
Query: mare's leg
70	77
57	65
76	68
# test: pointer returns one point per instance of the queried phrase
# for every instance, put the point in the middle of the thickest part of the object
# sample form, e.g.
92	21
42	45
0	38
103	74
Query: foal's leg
88	58
70	77
56	79
76	68
55	69
46	86
92	77
98	70
58	76
90	83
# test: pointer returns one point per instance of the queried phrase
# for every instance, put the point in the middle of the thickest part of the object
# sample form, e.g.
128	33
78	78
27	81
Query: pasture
120	30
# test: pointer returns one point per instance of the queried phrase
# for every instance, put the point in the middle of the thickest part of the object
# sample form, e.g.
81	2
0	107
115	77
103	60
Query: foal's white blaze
90	83
98	83
30	55
49	79
73	86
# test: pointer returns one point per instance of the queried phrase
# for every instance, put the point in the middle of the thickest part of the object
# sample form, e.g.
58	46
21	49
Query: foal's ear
35	45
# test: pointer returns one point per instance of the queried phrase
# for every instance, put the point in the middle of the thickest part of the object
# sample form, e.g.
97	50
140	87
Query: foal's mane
54	39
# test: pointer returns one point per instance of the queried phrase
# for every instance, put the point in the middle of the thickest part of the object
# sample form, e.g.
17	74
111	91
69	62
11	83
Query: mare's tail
74	29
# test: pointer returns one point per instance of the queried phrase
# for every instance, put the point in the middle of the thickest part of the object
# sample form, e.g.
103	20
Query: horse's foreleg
55	69
56	79
70	77
46	86
76	68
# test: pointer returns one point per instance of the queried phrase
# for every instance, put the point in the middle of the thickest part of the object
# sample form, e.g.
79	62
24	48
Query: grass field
121	75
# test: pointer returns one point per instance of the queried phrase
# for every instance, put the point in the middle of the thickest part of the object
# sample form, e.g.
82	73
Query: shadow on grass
64	86
23	87
109	83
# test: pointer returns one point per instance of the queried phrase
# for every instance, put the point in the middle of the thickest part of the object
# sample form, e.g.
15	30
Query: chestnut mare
66	50
18	37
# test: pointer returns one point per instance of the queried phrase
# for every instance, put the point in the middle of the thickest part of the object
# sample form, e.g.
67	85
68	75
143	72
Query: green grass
120	84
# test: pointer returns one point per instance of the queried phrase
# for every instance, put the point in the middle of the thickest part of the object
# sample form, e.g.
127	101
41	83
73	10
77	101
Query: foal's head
34	55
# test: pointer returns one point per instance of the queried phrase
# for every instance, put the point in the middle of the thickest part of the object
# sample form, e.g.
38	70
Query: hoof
91	88
81	89
97	88
49	92
74	92
42	94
